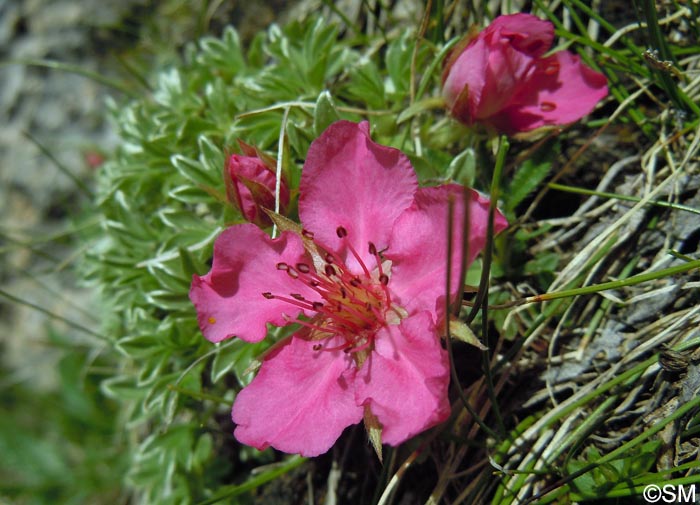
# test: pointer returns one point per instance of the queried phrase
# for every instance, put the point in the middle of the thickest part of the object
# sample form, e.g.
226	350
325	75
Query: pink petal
464	82
561	91
405	379
229	299
504	74
300	401
525	32
418	247
350	181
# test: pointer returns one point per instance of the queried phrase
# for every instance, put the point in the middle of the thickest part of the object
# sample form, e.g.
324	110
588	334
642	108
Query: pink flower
366	273
250	185
501	79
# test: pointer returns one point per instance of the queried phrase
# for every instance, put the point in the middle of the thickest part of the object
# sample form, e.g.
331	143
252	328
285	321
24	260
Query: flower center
350	306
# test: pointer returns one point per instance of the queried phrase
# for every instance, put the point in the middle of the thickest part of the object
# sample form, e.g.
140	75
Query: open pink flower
250	185
366	273
500	78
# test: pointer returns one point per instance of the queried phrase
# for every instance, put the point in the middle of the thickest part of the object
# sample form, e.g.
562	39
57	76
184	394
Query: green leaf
398	62
122	387
324	113
192	170
463	168
526	179
366	85
225	359
426	104
140	346
544	263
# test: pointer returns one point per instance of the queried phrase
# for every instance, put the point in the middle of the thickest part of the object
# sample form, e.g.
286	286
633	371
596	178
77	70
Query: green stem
627	198
631	281
74	69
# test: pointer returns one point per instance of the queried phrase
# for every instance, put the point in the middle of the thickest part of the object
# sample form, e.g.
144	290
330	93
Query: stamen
347	303
311	326
383	278
365	345
345	347
302	304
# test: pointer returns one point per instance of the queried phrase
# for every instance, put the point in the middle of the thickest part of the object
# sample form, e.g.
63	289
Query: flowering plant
364	278
250	185
501	78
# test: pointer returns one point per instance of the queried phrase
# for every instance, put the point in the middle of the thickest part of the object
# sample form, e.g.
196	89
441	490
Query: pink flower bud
250	185
500	78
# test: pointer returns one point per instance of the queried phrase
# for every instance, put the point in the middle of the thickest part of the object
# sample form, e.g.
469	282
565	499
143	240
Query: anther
317	306
314	283
329	258
341	232
552	68
292	272
282	266
303	268
547	106
297	296
308	234
329	270
372	249
343	292
268	295
355	282
384	279
317	347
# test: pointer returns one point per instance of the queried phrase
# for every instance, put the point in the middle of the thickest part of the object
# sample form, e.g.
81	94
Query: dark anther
329	258
308	234
384	279
317	306
268	295
343	293
303	268
329	270
317	347
346	350
314	283
282	266
372	249
342	232
355	282
297	296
